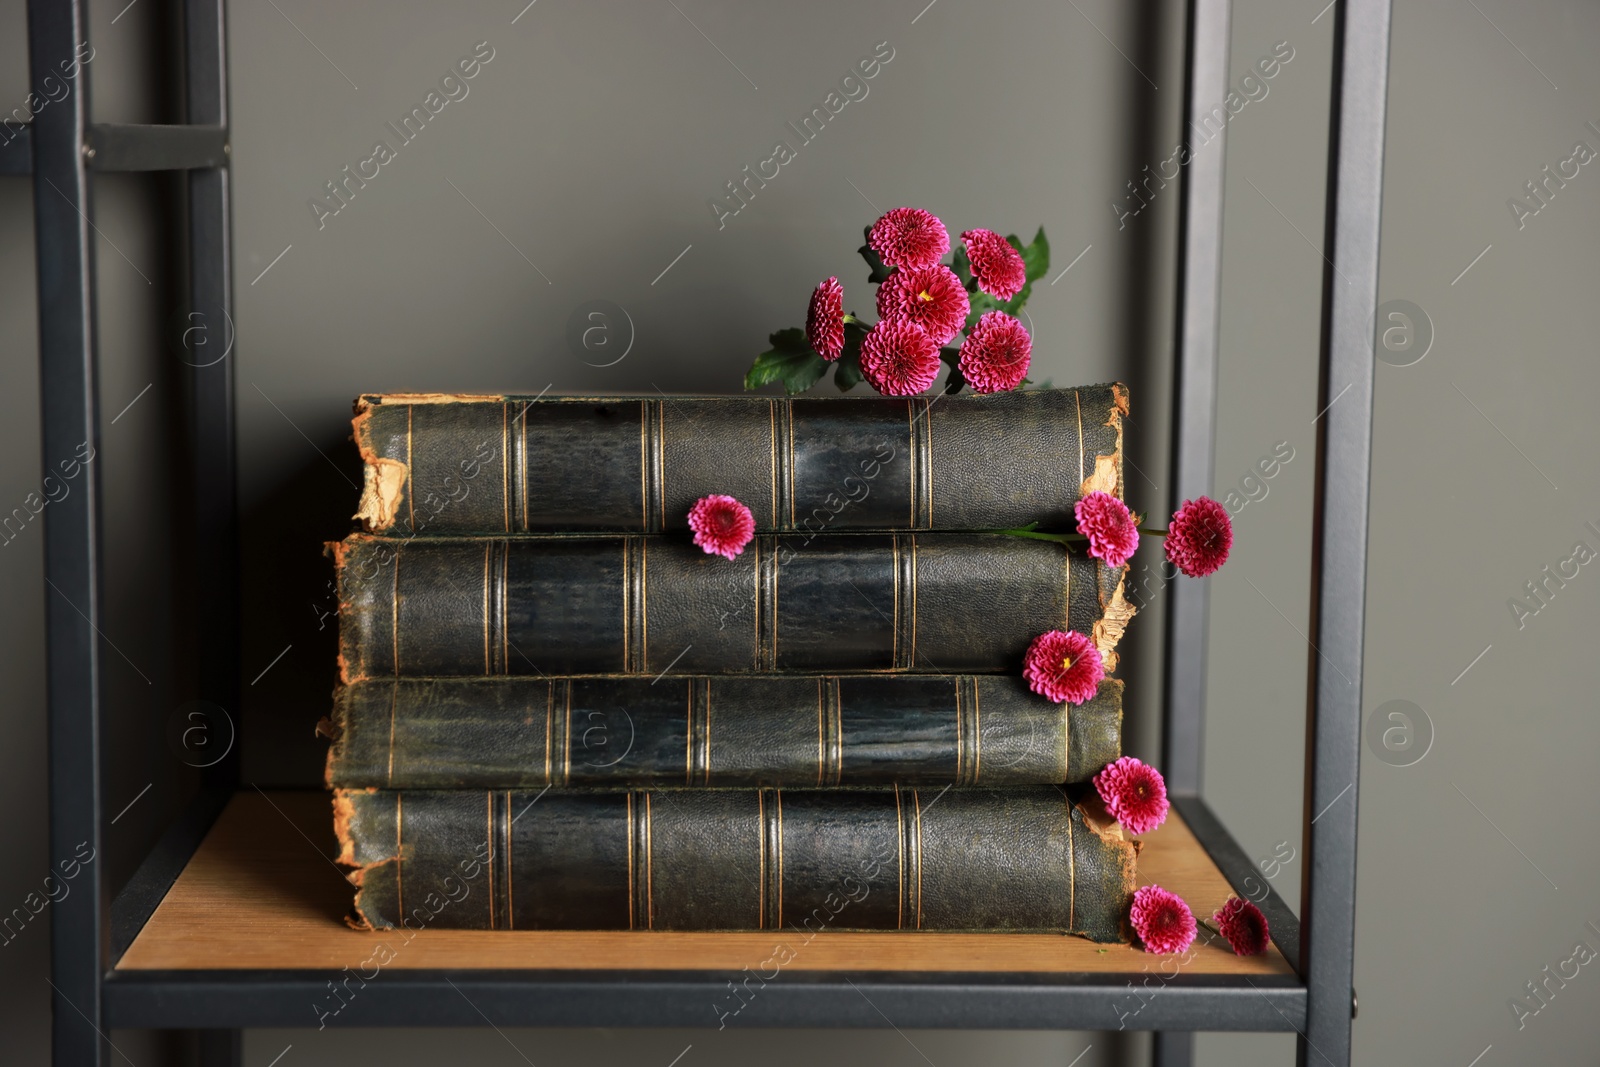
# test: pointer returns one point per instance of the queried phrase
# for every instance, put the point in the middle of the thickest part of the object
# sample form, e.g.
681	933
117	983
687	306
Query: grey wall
580	165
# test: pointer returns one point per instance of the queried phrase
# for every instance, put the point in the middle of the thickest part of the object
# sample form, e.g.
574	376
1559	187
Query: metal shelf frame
62	151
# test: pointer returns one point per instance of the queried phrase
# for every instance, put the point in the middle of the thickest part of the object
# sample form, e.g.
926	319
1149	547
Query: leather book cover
461	464
934	603
789	730
1023	859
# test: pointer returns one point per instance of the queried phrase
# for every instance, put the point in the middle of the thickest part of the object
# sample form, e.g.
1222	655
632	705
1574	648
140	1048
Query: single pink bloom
1162	920
932	297
996	353
909	237
996	266
898	358
1199	537
1242	923
1134	794
722	526
825	319
1063	665
1105	521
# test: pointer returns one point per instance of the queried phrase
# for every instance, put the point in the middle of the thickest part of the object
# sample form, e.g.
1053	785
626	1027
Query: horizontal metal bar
1245	877
16	148
131	908
125	147
1145	1001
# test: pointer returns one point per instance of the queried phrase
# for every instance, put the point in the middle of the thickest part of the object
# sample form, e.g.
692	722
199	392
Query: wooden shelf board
261	892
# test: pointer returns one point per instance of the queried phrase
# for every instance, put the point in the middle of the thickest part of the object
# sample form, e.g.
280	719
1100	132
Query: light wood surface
262	892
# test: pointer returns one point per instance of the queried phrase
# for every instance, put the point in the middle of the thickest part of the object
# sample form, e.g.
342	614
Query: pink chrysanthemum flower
1134	794
825	319
996	353
898	358
932	297
909	237
722	526
1162	920
1063	665
996	266
1199	537
1242	923
1105	521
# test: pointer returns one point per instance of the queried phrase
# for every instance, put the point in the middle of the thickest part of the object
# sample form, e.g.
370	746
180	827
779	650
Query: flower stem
1038	535
1152	531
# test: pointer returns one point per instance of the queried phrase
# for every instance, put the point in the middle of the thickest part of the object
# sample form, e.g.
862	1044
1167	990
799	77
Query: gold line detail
488	559
777	795
761	859
411	481
400	856
394	699
916	803
394	612
649	868
772	418
566	748
977	734
822	717
900	847
632	889
488	807
511	911
549	728
505	461
1077	402
644	466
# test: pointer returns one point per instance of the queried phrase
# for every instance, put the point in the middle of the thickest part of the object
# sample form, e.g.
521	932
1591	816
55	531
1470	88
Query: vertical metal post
206	348
1195	404
1339	528
1195	388
69	409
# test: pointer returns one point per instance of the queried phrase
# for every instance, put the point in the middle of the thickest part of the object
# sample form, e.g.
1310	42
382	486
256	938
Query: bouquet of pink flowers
923	305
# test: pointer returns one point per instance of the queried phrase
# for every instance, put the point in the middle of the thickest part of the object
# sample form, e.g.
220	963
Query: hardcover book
460	464
1024	859
715	730
935	603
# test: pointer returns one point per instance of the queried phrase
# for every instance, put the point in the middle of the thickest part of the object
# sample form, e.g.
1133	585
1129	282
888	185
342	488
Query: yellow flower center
925	296
1066	663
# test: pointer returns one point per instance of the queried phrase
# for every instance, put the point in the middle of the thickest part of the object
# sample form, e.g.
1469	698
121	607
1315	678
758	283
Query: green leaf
1035	264
848	371
790	361
880	270
963	267
981	302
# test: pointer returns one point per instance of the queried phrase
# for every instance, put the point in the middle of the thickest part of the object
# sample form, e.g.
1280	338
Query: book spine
1022	859
633	604
708	730
496	465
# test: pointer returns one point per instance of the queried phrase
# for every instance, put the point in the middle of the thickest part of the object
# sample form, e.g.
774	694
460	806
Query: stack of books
557	712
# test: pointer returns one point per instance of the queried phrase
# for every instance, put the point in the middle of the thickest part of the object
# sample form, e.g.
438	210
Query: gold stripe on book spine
394	700
511	910
921	460
549	729
835	733
519	454
655	474
900	841
633	885
488	586
698	771
772	441
1072	867
394	611
505	463
411	483
786	451
916	805
969	740
488	836
399	855
766	582
822	730
905	601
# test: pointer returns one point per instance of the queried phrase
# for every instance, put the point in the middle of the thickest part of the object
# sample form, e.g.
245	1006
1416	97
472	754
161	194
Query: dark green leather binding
716	730
1022	859
633	604
504	464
